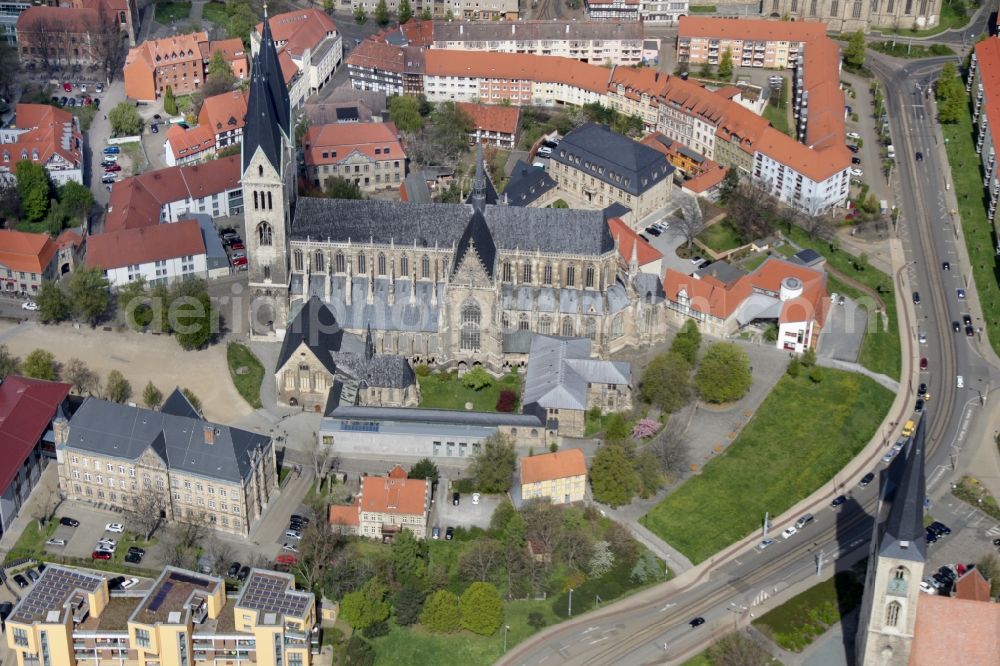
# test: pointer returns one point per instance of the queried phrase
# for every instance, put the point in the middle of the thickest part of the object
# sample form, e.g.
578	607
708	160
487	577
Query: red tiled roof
348	138
550	466
973	586
346	514
24	251
628	239
143	245
397	472
69	238
51	131
64	19
219	113
492	118
750	29
26	410
191	141
299	30
516	67
955	631
418	32
707	180
374	54
988	66
381	494
176	48
706	295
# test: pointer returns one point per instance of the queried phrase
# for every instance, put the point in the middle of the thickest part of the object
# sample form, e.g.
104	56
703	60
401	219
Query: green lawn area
880	350
980	238
701	660
32	541
778	118
901	49
721	236
216	13
246	371
800	620
445	391
800	437
702	9
954	14
169	12
755	261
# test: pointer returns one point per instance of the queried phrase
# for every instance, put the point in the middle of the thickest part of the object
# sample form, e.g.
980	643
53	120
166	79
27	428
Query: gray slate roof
559	370
177	404
617	160
474	31
905	537
381	370
268	107
419	316
317	328
527	183
416	189
448	416
549	230
124	432
722	271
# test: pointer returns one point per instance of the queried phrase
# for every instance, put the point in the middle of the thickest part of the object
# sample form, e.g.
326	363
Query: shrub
422	369
645	428
442	612
507	402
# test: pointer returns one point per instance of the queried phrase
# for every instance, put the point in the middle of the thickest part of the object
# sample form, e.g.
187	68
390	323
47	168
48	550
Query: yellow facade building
560	476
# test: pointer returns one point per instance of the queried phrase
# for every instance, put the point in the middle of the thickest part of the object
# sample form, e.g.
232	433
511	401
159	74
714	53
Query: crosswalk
993	531
761	597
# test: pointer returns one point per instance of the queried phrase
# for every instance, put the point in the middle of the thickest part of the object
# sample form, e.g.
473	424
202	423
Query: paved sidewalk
837	364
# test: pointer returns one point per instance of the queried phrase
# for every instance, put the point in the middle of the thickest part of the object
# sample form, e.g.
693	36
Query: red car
237	246
112	168
87	101
68	87
240	261
100	555
923	363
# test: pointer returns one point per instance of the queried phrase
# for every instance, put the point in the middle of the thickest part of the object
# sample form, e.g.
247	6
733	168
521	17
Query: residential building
70	244
596	167
10	13
752	43
26	259
486	10
369	155
511	78
563	383
385	506
375	65
69	616
176	193
220	124
346	104
320	365
984	87
560	477
689	162
117	455
46	135
158	254
612	10
180	62
864	15
665	12
494	125
78	32
723	300
27	410
310	49
530	186
597	42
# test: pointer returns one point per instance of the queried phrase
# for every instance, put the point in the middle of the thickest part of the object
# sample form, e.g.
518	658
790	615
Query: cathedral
452	284
853	15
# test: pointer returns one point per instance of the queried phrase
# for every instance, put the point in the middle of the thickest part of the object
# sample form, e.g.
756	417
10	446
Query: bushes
442	612
507	402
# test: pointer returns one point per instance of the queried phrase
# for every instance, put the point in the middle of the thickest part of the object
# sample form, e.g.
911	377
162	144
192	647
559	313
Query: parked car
916	298
923	359
234	569
435	532
939	528
130	583
931	536
68	87
136	549
927	588
56	542
21	581
653	231
866	479
109	179
696	260
293	534
237	245
789	532
449	534
118	528
955	326
69	522
101	555
945	266
240	262
763	545
111	150
29	305
804	520
919	406
456	499
6	608
99	87
32	574
920	156
244	572
889	455
291	547
154	128
857	173
475	498
133	558
838	500
967	320
113	168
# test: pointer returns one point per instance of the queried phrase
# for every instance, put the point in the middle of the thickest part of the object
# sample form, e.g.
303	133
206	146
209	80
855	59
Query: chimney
209	431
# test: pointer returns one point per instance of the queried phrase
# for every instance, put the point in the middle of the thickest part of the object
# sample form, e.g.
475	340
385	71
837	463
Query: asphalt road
652	627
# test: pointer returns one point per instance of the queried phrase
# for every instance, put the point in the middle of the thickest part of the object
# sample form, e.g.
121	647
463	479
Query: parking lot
445	514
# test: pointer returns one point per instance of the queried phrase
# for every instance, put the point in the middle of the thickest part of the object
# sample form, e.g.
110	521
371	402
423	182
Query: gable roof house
385	506
178	61
368	154
220	124
26	259
560	476
46	135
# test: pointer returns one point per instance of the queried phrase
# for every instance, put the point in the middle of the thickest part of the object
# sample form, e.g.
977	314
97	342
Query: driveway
97	138
673	238
444	514
844	332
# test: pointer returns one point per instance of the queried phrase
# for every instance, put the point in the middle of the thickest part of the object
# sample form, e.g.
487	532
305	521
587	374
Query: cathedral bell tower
268	190
896	562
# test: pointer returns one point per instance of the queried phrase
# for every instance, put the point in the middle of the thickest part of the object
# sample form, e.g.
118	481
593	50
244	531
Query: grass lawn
901	49
701	660
979	235
778	118
216	13
137	158
445	391
755	261
800	437
954	14
246	371
702	9
973	493
31	543
170	12
880	350
721	236
800	620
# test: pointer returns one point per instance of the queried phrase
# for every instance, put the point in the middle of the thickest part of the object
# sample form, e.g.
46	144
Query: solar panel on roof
154	605
185	578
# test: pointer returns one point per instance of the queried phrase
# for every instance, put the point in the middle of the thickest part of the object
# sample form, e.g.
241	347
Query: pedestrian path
837	364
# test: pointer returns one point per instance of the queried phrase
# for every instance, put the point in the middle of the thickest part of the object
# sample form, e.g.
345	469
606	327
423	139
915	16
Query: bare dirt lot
140	358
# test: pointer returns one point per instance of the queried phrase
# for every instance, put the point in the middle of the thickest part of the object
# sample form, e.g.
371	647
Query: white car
107	544
291	547
857	173
853	135
922	337
56	542
293	534
789	532
114	527
475	498
927	588
130	583
29	305
889	455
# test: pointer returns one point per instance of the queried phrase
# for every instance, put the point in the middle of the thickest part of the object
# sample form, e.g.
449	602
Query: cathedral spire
268	120
369	343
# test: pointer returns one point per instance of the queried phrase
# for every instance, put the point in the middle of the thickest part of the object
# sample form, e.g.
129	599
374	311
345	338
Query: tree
687	342
81	377
480	560
950	94
40	364
666	382
133	304
502	515
482	609
220	76
690	226
477	378
493	465
242	20
854	54
409	558
117	388
125	120
989	566
366	606
751	211
730	183
670	451
726	65
616	428
90	294
8	363
382	13
45	508
737	650
359	15
724	374
151	396
647	568
76	199
426	14
145	511
53	305
317	549
612	476
648	471
169	102
449	131
110	46
442	612
405	11
192	398
424	469
341	188
193	318
409	603
33	187
404	110
359	652
602	560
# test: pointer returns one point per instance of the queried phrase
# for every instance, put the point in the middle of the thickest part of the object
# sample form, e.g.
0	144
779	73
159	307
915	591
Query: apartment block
983	85
560	477
751	42
485	10
375	65
612	10
180	62
70	617
369	155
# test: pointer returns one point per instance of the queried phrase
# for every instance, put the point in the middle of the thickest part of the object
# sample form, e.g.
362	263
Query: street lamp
570	611
506	628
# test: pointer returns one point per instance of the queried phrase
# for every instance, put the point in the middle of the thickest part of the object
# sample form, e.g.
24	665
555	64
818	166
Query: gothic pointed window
297	260
522	323
471	317
547	274
256	204
526	273
267	272
340	263
617	326
362	264
892	614
404	266
545	325
909	7
381	264
264	234
590	328
589	277
856	10
270	204
318	261
508	272
567	327
425	267
260	170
